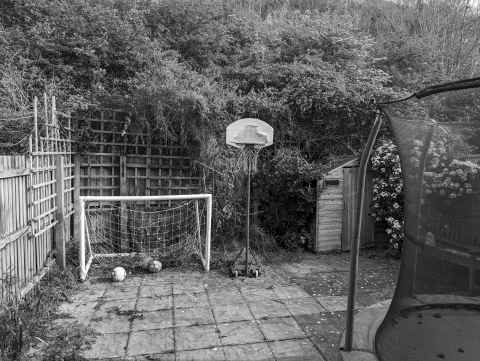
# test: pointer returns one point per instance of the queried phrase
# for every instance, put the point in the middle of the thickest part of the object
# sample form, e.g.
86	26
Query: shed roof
337	172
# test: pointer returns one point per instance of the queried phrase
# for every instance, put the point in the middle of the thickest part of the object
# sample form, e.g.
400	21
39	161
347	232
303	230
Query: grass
27	328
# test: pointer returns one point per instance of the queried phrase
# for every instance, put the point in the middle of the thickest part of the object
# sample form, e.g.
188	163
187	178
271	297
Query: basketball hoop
250	135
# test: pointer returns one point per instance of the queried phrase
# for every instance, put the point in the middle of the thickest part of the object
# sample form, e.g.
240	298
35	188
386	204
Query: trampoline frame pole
355	243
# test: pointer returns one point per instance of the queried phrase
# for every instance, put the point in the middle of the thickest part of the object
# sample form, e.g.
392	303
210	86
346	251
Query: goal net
169	228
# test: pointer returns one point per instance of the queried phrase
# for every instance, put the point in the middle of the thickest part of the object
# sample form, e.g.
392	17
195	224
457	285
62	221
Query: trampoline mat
431	333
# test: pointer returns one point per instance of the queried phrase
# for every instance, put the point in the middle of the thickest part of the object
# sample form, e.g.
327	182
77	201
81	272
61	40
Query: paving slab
154	303
155	290
225	297
190	300
104	323
121	293
170	356
286	292
153	320
206	354
193	316
188	287
150	342
116	306
293	350
229	313
130	281
88	294
269	309
281	328
237	333
157	279
107	346
80	312
252	352
258	293
333	303
303	306
195	337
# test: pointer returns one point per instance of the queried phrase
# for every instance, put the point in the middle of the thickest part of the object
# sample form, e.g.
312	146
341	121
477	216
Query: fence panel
17	256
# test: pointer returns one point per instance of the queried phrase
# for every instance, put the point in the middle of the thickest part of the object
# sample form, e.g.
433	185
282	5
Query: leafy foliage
285	191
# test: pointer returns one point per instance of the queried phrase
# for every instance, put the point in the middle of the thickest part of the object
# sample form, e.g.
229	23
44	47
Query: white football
118	274
146	262
155	266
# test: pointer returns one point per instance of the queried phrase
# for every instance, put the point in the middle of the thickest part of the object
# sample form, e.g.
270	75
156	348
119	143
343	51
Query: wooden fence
36	202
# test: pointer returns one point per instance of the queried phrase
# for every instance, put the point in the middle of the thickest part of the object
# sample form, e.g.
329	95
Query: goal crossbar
86	263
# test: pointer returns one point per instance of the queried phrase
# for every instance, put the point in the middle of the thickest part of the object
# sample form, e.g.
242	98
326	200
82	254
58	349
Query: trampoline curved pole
355	243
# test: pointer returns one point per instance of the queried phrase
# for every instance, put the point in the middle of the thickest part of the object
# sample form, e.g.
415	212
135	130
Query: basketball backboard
249	131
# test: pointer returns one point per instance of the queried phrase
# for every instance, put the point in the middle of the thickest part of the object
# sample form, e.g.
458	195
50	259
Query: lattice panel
122	160
53	139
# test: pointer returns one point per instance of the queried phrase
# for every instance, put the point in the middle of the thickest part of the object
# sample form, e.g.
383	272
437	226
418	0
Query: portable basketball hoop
250	135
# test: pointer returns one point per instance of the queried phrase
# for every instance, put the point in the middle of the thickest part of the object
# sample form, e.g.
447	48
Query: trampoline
435	310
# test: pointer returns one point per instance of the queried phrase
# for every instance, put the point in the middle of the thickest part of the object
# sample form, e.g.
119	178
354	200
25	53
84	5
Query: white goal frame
86	263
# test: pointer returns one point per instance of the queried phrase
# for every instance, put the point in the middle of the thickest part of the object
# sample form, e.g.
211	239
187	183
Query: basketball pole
247	246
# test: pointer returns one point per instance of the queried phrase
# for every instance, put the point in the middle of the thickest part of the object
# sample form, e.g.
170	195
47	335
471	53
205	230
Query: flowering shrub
387	200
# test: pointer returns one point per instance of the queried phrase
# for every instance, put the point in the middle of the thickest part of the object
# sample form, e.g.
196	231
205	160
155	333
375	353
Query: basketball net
248	158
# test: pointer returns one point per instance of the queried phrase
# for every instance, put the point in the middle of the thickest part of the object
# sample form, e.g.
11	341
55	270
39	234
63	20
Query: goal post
164	226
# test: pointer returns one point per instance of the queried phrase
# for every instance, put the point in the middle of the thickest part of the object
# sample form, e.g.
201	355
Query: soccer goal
167	227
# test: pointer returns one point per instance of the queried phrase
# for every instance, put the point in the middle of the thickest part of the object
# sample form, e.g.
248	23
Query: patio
294	312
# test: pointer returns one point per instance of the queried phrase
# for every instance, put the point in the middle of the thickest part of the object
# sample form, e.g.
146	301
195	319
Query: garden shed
336	209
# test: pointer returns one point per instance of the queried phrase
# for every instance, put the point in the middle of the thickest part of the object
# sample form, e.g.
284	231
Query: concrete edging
366	324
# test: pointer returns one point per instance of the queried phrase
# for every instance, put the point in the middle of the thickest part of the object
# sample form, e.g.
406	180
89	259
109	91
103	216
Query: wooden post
45	104
123	207
76	199
60	226
55	133
35	121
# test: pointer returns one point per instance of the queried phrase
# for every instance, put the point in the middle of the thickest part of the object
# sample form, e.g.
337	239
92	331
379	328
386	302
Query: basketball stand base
254	268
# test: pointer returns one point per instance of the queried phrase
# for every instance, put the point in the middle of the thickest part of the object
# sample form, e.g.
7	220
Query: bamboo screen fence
36	201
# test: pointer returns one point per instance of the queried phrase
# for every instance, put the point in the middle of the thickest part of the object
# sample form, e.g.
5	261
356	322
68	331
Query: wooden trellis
36	202
52	178
121	161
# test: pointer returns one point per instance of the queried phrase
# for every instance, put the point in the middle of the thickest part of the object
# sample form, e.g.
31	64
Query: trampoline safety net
435	311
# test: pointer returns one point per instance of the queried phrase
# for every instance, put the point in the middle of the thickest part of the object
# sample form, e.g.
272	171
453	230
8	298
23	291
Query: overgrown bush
285	192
